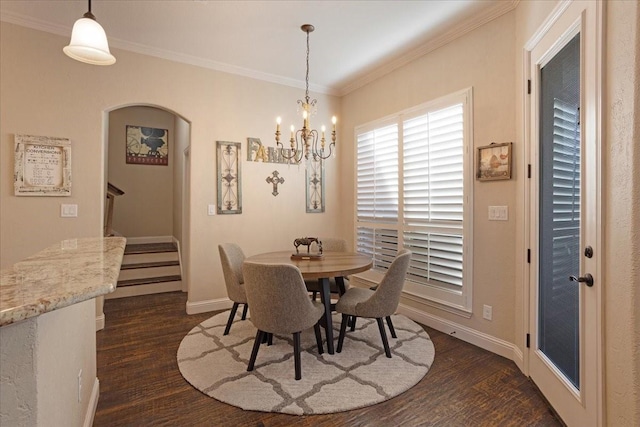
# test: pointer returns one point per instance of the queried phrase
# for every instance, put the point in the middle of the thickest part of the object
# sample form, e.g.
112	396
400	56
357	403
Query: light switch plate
68	211
498	213
211	210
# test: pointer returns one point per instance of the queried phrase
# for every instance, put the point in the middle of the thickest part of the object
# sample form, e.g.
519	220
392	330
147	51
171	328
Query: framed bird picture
494	162
147	145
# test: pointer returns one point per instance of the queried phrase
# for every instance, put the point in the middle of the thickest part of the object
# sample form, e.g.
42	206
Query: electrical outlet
80	386
487	312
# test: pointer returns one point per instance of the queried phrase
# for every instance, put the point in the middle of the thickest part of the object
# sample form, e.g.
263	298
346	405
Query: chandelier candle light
304	142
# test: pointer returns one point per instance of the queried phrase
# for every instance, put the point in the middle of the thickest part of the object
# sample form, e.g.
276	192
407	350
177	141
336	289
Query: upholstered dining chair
379	303
329	244
232	257
280	304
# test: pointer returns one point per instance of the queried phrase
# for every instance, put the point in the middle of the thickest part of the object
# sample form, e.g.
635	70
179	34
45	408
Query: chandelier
304	142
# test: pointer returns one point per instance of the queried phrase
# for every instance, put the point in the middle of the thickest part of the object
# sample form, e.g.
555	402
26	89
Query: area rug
359	376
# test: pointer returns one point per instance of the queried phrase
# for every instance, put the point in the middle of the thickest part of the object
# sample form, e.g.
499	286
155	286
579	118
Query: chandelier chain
307	76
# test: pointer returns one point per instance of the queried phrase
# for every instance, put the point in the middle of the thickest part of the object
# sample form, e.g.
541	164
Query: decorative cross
275	180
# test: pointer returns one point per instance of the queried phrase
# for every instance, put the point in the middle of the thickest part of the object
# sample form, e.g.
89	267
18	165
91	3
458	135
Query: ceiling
353	43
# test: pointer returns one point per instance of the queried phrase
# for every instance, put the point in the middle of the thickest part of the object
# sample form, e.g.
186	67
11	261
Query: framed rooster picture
494	162
147	145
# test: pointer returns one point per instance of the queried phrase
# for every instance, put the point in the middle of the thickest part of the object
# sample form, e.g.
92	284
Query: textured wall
18	404
622	214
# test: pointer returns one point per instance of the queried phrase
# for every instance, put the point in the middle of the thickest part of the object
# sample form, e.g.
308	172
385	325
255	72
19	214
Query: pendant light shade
89	42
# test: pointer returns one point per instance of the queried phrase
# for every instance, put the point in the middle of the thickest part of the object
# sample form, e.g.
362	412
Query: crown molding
454	33
64	31
447	37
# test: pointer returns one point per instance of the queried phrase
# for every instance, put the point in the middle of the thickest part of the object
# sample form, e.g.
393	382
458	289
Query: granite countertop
63	274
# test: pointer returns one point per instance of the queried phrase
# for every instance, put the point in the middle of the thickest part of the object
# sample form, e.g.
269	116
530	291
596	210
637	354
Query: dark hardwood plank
140	384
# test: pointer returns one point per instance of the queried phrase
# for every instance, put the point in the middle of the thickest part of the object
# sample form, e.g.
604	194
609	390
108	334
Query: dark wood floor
140	384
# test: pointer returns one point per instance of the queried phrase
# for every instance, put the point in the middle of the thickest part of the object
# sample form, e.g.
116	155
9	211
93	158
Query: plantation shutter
377	193
411	178
433	180
378	175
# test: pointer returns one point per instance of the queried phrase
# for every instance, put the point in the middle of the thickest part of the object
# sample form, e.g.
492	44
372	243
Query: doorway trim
596	164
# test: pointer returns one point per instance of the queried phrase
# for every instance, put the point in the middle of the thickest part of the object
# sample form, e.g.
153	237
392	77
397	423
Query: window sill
371	278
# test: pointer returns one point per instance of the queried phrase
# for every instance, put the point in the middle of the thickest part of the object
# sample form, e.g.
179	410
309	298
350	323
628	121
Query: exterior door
565	339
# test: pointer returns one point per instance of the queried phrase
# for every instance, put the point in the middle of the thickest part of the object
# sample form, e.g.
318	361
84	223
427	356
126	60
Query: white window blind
433	194
417	200
378	174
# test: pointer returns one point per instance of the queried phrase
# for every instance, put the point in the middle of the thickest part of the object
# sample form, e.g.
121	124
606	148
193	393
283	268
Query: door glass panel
558	317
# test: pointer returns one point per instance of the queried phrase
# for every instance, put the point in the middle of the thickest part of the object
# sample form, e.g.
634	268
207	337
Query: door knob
587	279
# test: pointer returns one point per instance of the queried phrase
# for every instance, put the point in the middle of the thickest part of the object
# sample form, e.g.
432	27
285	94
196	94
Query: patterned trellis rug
359	376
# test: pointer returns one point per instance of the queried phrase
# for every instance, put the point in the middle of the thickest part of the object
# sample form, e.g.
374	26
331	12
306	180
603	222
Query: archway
146	157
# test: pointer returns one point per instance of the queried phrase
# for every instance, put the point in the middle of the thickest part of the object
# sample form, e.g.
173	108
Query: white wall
41	358
18	403
66	344
146	207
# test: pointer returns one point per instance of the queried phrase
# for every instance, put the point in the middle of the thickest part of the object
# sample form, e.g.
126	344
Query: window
413	190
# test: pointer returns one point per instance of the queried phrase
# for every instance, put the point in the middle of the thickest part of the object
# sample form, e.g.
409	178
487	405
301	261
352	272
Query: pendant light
89	42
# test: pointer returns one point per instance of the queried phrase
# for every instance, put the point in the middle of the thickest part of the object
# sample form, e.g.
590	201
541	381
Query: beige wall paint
482	59
146	207
621	187
71	99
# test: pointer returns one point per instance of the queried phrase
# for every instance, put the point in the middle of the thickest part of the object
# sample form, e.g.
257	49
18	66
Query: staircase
148	268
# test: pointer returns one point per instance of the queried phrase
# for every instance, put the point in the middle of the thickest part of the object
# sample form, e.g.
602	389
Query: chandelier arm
304	141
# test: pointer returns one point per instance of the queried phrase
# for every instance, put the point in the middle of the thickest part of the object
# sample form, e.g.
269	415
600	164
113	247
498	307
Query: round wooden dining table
331	264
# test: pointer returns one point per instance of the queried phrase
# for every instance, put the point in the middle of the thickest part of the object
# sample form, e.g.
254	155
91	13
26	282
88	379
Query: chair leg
296	354
353	323
254	352
315	295
269	338
316	329
383	335
244	311
232	315
343	330
391	329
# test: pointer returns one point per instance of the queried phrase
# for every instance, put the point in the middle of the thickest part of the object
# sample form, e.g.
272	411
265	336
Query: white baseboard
149	239
208	305
100	322
93	404
477	338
